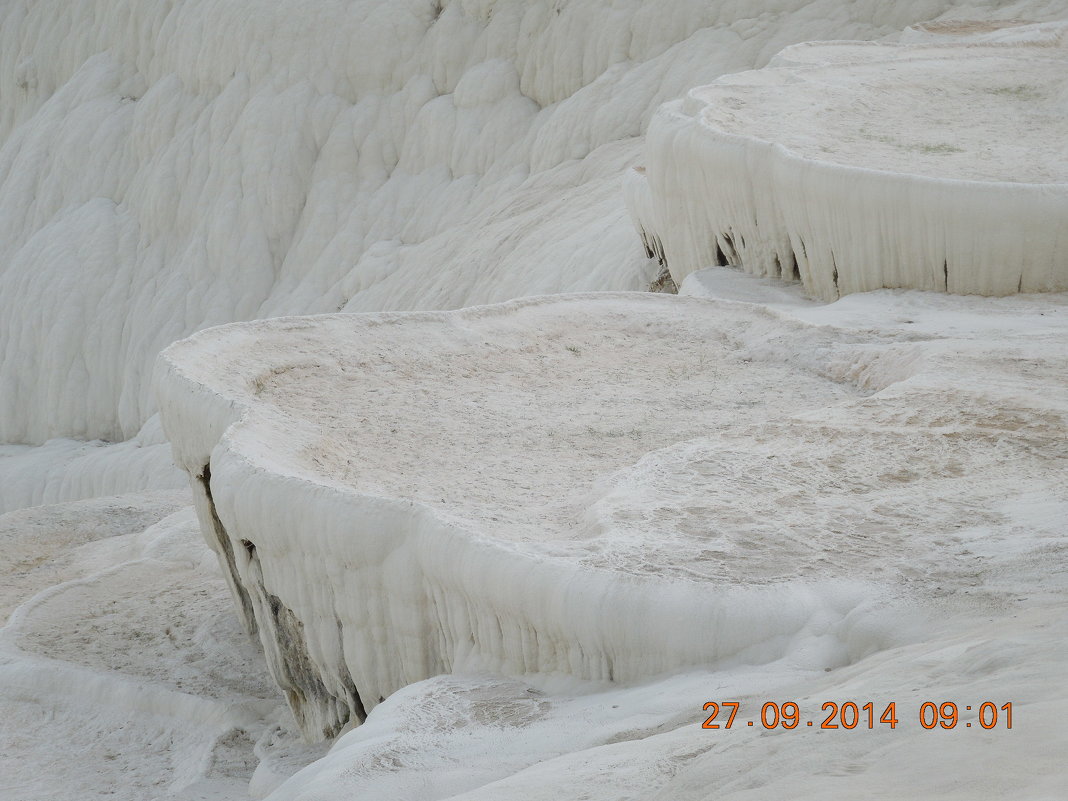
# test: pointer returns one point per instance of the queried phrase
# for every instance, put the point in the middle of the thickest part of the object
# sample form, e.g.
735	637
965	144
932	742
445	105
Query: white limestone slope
170	166
937	165
599	487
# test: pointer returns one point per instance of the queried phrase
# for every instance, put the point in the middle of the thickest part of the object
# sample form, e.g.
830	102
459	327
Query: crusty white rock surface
605	487
857	166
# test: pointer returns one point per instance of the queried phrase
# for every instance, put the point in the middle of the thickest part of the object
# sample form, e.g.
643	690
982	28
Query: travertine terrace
857	166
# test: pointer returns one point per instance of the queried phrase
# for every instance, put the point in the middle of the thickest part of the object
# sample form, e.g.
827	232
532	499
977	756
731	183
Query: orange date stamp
854	715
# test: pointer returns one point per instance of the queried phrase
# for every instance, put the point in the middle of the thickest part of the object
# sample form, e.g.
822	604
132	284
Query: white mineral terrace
856	166
604	487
